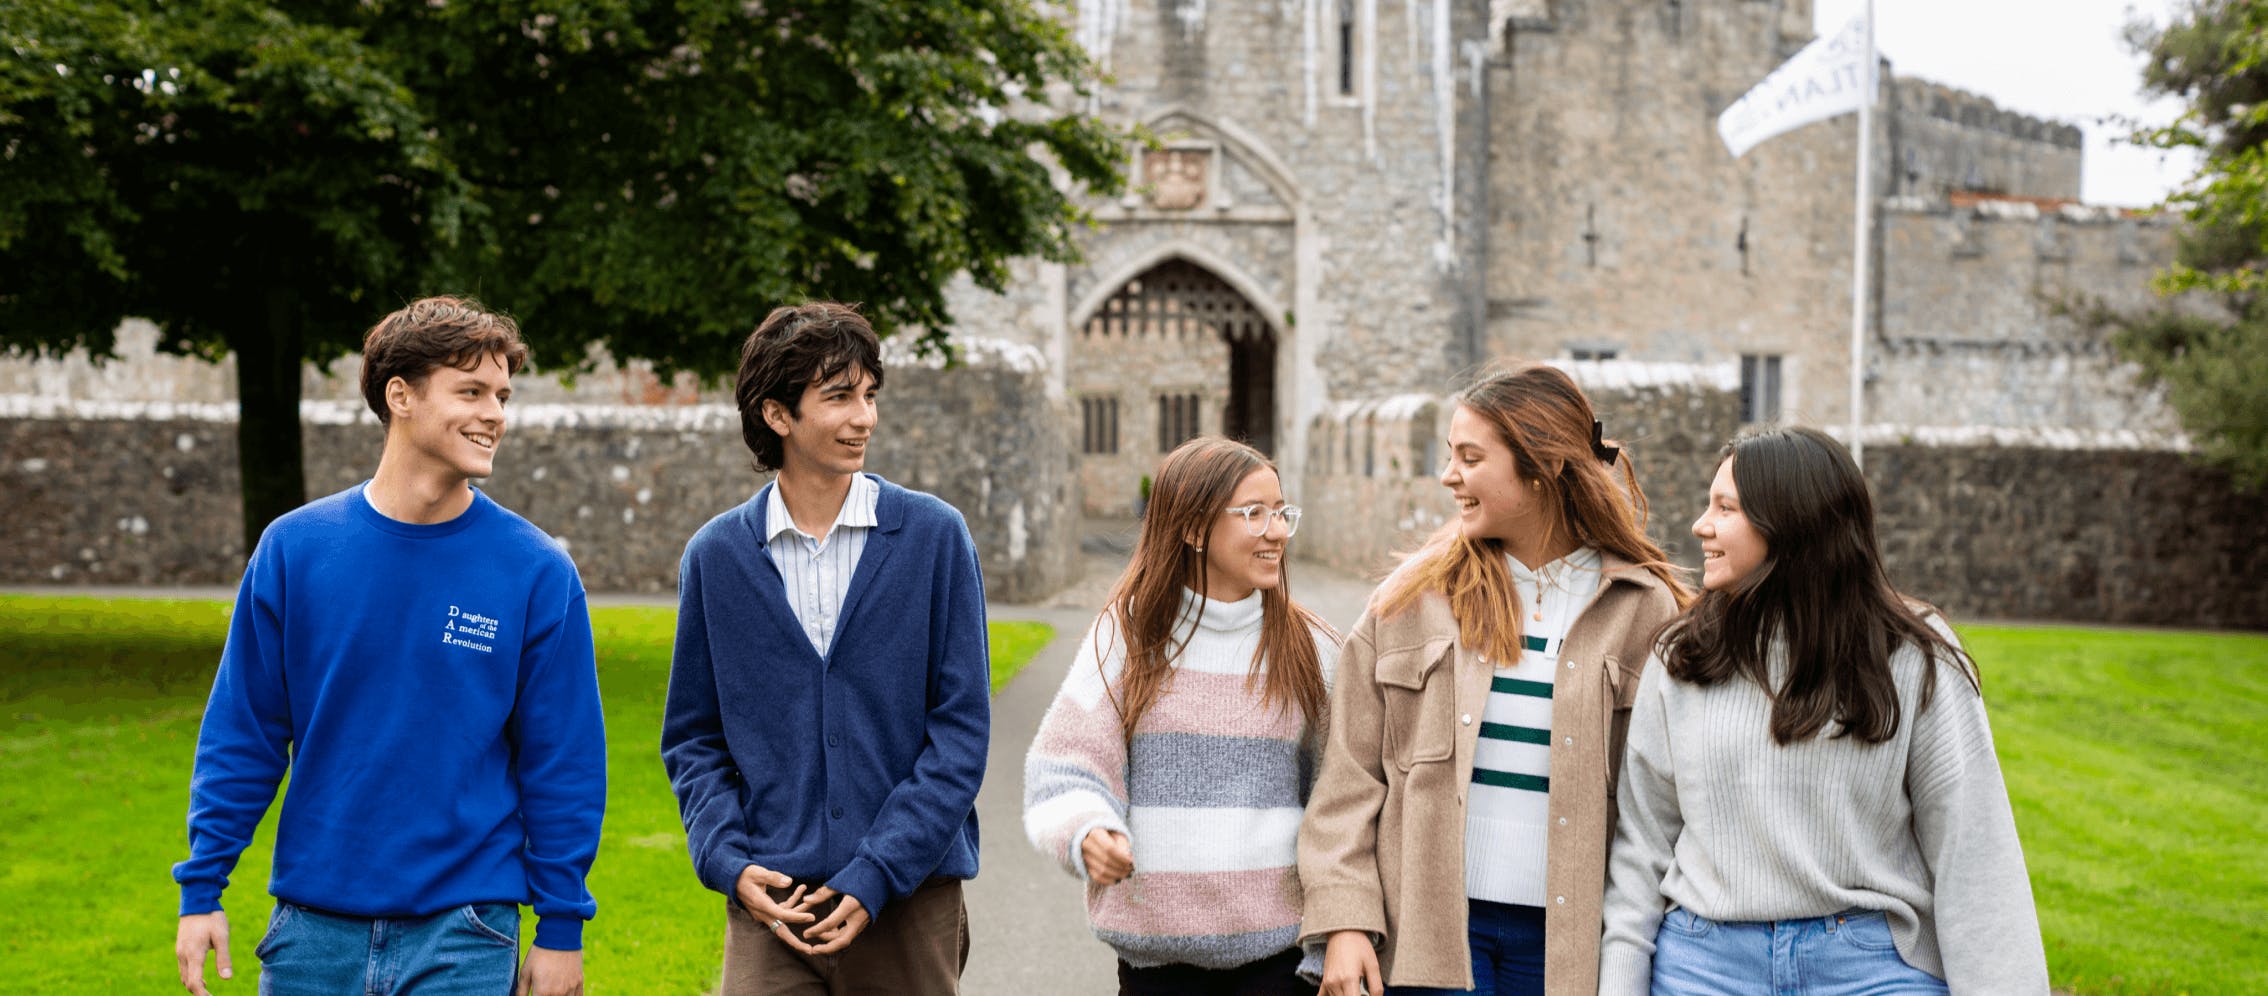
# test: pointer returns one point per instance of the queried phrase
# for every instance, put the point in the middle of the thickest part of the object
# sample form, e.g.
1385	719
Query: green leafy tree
2212	354
265	179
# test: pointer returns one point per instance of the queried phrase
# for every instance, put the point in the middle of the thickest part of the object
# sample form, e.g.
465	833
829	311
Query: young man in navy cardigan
829	698
419	659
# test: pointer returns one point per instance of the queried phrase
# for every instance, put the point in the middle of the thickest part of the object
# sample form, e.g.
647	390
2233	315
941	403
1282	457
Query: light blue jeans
467	951
1847	954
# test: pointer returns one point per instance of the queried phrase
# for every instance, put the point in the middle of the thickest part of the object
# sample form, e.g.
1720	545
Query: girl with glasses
1171	770
1457	839
1811	790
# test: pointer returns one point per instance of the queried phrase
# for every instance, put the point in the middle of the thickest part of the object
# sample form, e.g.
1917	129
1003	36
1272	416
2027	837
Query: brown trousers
917	947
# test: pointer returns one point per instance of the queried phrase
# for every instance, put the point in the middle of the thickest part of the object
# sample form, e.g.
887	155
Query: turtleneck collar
1221	617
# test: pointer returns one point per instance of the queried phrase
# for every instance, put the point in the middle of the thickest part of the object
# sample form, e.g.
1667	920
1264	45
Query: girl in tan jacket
1457	836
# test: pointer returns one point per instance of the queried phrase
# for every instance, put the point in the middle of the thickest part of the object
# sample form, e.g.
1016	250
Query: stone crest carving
1176	177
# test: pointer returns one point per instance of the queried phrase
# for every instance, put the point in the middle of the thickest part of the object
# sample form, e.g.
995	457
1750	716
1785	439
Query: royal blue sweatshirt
432	692
858	770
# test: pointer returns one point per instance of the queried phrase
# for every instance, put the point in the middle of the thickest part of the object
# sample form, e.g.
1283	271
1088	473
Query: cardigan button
1466	719
1561	900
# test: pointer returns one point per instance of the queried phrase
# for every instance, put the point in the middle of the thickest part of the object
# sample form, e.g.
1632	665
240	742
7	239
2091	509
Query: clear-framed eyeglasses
1258	517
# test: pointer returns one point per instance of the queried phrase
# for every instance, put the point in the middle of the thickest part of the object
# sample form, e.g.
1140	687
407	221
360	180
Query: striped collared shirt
1506	824
817	571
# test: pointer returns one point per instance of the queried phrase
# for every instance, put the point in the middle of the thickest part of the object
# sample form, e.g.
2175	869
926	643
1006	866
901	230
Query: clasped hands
786	918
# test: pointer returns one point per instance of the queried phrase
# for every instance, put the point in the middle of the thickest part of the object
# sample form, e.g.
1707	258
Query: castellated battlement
1944	141
1976	323
2110	251
1909	95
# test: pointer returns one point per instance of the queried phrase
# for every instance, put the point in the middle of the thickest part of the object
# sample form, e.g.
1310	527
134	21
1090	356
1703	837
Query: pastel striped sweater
1210	794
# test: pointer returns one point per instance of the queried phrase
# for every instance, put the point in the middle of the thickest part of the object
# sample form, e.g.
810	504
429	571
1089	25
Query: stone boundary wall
1989	523
148	494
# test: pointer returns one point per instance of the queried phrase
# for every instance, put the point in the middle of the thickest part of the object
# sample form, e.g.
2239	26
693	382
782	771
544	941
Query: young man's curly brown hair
431	332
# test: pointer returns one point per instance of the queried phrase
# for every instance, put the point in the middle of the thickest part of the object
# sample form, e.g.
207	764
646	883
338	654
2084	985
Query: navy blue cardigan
859	769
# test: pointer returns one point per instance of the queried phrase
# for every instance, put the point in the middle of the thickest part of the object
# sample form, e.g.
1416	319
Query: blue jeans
1847	954
461	952
1508	951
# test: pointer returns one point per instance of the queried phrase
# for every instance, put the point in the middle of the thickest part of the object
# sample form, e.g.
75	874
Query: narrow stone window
1347	56
1759	387
1098	424
1740	243
1593	352
1591	236
1178	420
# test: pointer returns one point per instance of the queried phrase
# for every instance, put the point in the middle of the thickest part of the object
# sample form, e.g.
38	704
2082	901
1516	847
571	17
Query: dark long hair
1539	412
1820	590
1193	490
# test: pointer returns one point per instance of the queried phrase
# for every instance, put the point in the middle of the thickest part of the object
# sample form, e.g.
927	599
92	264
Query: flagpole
1862	245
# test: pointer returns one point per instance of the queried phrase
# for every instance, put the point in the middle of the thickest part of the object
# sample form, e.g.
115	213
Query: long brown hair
1820	588
1192	492
1539	412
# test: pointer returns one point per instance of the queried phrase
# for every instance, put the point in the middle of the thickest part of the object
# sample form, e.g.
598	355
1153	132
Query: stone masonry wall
1367	170
1351	220
1134	369
2013	525
1972	330
1618	221
1945	140
2120	536
148	493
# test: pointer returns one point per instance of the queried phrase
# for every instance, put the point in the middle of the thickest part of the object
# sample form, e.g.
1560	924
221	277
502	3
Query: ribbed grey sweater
1717	819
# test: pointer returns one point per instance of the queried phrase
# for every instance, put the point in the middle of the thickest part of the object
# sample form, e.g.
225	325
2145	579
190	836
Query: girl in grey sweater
1810	797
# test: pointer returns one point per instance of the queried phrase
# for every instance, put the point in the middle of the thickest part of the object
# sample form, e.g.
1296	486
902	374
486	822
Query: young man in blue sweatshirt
829	699
419	659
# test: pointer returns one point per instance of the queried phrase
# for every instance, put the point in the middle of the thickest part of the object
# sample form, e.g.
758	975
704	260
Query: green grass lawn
2138	762
2138	766
101	701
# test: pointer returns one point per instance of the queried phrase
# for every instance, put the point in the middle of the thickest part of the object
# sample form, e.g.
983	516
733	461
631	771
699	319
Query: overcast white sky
2060	59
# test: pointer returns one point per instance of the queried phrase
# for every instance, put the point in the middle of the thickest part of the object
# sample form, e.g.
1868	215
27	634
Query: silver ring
777	924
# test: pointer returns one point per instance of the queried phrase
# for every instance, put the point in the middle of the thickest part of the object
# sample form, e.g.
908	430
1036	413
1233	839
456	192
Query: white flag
1825	79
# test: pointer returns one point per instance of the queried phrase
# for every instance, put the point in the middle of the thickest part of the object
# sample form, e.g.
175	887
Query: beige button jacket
1383	845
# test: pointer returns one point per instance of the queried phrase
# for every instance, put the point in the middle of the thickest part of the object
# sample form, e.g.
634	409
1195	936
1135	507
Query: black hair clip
1605	451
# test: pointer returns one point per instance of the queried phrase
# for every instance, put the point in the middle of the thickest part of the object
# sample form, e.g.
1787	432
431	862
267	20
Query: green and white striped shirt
1505	825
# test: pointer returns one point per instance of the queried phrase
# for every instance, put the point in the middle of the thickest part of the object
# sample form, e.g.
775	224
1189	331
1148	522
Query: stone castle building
1357	199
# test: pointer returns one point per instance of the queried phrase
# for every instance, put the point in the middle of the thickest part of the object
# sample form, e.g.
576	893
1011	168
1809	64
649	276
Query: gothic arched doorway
1176	352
